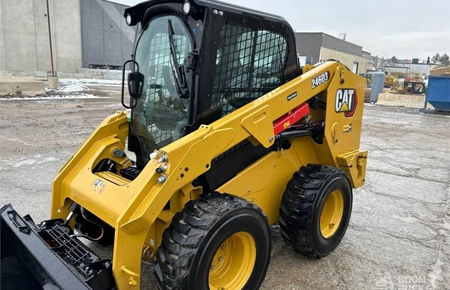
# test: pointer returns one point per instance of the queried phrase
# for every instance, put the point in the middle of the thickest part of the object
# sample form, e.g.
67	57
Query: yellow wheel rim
233	263
331	214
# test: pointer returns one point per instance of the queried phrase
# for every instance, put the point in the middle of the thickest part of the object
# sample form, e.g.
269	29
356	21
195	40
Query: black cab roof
138	10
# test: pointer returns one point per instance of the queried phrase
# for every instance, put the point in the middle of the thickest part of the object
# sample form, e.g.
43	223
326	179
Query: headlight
128	19
186	7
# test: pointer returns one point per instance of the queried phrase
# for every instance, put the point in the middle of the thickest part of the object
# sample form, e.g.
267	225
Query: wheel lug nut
213	267
223	248
220	259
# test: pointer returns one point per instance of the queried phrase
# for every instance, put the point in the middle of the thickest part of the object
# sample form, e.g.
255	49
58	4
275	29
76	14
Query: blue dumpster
438	92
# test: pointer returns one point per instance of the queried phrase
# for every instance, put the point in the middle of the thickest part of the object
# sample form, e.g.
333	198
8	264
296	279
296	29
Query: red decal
290	118
355	105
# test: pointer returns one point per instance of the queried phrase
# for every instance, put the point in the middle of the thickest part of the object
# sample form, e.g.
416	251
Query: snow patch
90	81
48	159
408	219
73	88
446	225
436	270
69	88
56	97
25	162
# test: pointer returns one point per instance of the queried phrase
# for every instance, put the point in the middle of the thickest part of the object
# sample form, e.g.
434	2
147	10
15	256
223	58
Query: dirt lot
399	234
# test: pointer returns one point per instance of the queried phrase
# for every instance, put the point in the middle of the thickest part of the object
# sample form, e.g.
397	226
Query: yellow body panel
136	209
264	181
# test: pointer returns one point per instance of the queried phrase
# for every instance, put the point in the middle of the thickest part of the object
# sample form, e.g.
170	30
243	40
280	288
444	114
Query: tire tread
183	237
297	205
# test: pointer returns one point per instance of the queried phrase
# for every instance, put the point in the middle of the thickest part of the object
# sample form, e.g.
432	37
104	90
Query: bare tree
444	59
393	60
436	58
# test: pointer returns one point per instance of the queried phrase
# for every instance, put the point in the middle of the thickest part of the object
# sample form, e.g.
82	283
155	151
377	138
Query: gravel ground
399	233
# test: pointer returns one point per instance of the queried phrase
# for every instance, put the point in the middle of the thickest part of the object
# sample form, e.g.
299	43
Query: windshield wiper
178	71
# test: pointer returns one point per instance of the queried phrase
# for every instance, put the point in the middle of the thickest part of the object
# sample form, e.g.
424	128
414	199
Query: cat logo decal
346	102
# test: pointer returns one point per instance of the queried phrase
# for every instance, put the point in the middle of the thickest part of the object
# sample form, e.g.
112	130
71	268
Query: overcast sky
401	28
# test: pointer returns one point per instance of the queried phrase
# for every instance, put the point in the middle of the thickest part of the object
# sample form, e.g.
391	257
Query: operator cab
197	61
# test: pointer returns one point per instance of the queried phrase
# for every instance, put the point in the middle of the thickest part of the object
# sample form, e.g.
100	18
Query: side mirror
135	84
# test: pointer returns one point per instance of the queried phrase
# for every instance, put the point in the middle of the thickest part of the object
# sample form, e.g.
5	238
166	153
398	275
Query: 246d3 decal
346	102
320	79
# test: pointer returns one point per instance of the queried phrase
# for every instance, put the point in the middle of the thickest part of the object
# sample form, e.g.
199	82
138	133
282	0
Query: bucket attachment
48	256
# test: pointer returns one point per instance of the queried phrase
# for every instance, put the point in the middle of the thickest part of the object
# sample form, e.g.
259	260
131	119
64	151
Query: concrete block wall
68	34
2	41
106	38
345	58
83	73
24	39
21	86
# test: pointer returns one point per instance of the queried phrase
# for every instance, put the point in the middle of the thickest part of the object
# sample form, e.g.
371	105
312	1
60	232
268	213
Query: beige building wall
24	39
347	59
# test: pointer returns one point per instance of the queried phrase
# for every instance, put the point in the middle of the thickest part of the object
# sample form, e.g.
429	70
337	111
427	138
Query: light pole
50	39
53	81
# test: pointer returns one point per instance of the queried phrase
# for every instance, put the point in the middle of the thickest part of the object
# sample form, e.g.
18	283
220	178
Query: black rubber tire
301	207
191	241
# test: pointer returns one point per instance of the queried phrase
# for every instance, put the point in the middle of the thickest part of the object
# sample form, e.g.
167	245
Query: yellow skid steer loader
224	136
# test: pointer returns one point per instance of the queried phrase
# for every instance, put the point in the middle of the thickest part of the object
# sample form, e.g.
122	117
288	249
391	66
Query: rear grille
93	271
70	246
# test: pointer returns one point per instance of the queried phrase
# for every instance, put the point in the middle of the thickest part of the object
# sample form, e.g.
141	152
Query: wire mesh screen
159	136
249	64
